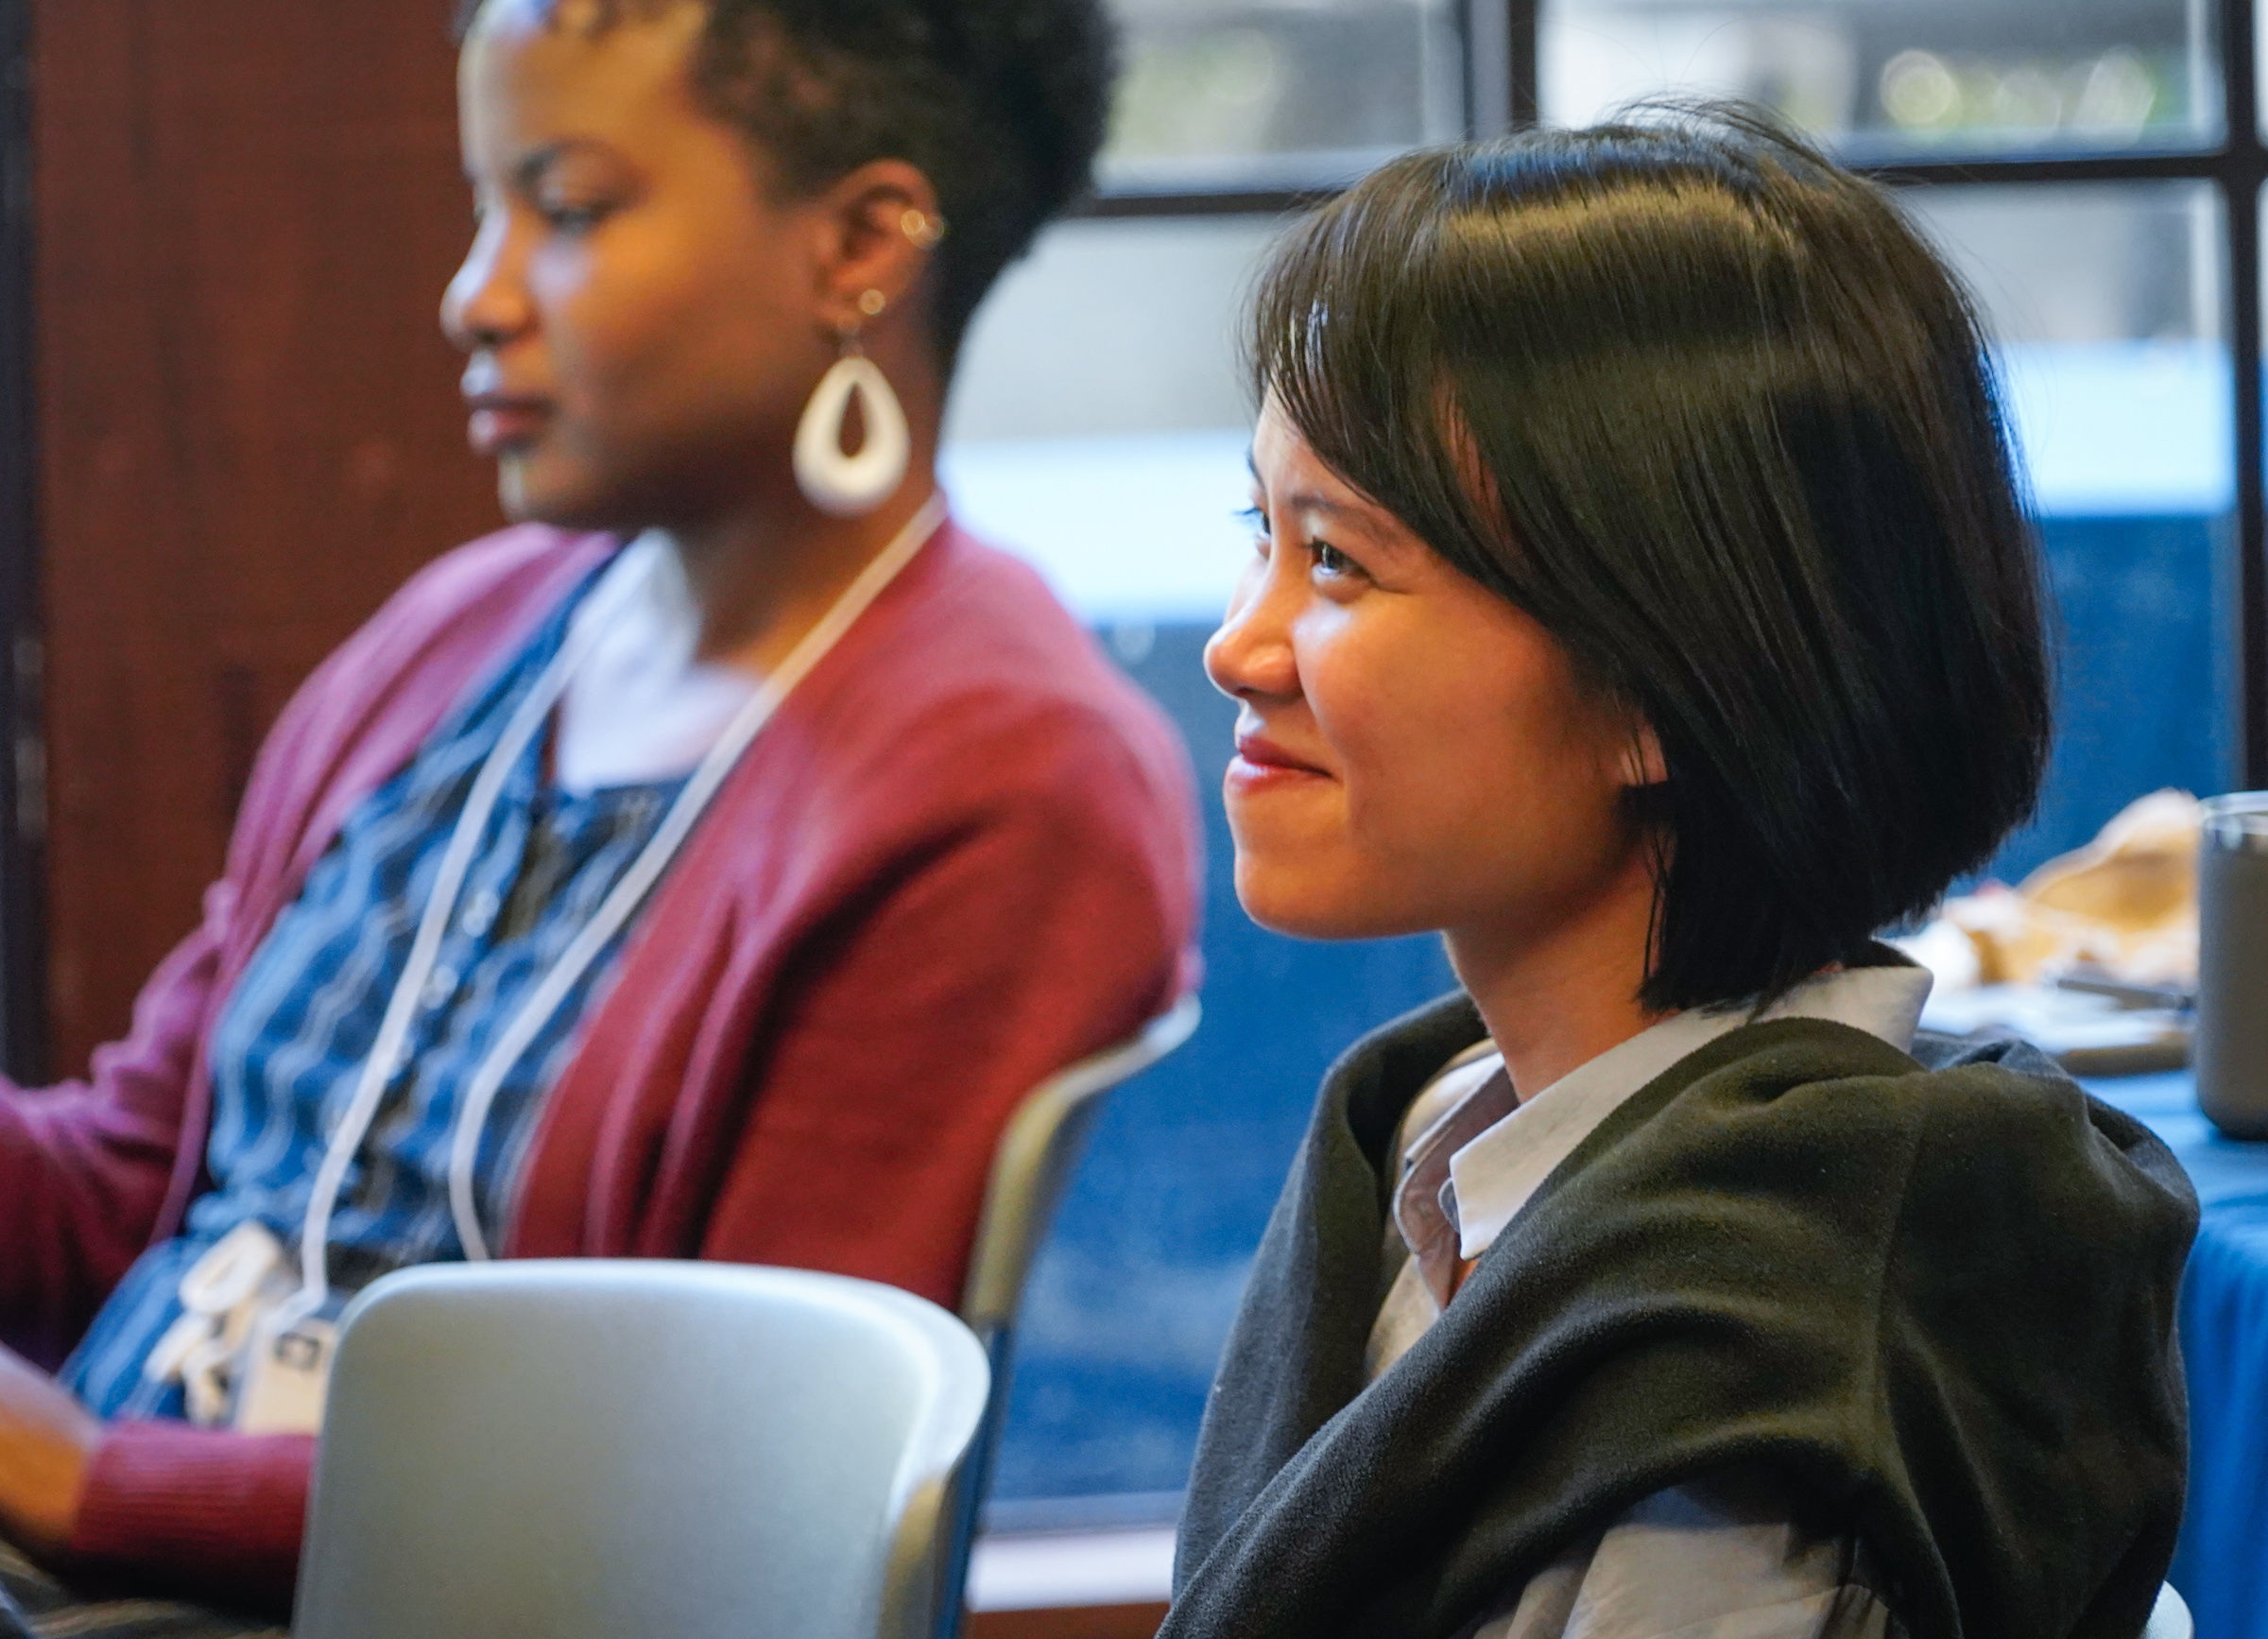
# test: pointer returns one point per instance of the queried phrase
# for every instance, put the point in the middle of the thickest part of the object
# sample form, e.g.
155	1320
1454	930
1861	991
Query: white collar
1494	1175
643	706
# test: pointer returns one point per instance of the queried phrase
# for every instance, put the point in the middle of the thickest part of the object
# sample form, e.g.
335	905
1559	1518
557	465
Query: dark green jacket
1938	1304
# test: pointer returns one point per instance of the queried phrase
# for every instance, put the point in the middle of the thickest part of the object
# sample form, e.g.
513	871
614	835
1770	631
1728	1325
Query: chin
530	494
1306	905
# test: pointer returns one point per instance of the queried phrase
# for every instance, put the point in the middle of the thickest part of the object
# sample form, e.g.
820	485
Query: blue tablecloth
2222	1564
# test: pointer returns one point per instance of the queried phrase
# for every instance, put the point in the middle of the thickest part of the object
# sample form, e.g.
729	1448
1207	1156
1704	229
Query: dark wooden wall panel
247	426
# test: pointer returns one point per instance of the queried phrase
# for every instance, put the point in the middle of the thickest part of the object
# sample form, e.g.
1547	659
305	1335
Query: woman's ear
1642	761
879	225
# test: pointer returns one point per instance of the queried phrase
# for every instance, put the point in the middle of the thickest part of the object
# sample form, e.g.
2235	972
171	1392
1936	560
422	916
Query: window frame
1503	40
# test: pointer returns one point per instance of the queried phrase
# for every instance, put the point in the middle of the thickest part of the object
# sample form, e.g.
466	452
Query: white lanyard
480	1093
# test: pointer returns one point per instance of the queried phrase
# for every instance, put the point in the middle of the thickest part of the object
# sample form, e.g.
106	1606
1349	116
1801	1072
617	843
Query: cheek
623	309
1423	749
587	317
1467	780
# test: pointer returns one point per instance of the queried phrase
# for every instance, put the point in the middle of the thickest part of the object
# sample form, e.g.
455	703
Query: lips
1259	764
502	422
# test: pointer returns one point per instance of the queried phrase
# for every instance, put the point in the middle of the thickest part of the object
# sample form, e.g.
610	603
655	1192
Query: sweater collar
1479	1156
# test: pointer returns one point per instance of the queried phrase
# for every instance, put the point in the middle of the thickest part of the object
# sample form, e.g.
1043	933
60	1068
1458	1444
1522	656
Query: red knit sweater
961	856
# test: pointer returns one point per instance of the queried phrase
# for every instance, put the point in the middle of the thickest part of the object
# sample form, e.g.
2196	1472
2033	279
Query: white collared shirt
1716	1560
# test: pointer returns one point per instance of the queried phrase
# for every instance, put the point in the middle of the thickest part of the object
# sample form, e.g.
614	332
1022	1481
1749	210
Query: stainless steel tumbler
2232	964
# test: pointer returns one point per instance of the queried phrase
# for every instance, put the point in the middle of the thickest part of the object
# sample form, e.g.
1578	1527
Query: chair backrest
1035	1158
602	1449
1031	1164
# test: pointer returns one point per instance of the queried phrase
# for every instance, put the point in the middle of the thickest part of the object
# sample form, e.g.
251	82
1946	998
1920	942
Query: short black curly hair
1000	103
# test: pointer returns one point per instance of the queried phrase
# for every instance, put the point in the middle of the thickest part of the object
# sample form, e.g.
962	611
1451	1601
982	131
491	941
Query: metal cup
2232	964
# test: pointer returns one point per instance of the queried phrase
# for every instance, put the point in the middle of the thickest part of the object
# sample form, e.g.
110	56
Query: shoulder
483	585
982	625
2002	1112
965	740
969	681
1777	1103
378	692
447	621
1995	1212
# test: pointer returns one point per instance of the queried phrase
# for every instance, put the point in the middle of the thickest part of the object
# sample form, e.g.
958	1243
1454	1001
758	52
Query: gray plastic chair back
1035	1159
1031	1165
603	1449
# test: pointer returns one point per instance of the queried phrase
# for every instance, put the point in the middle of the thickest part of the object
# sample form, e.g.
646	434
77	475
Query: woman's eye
572	220
1331	560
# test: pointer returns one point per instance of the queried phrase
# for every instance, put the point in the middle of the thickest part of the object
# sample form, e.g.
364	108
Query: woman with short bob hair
1643	599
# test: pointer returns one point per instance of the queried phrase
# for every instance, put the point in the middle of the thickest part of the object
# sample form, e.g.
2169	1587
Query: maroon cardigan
961	856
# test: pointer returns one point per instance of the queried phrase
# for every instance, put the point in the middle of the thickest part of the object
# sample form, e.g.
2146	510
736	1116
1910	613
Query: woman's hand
47	1439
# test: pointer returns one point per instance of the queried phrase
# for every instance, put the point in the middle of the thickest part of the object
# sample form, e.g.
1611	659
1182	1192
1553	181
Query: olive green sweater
1938	1304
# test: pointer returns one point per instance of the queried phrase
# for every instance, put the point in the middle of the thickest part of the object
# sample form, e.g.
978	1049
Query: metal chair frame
1031	1167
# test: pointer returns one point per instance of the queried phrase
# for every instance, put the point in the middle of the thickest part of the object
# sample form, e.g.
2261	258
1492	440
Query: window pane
1904	78
2107	305
1260	92
1099	416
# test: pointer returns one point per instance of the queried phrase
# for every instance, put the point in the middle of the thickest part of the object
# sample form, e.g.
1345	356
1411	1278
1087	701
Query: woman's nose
1251	654
486	303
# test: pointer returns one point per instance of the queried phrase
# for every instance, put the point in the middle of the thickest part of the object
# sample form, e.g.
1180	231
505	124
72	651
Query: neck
763	569
1556	997
762	578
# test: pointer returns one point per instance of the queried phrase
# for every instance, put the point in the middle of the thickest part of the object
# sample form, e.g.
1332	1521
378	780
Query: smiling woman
704	868
1641	602
1415	753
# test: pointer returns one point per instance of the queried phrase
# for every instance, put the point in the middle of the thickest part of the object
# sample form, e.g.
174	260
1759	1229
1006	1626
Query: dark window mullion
1488	56
1525	38
2247	169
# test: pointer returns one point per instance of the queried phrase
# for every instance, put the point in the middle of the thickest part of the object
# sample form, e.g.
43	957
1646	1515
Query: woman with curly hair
1642	600
702	868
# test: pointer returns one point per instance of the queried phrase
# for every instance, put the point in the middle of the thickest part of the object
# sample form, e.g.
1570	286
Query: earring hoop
851	486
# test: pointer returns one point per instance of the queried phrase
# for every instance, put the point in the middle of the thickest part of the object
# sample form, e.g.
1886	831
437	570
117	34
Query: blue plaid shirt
296	1030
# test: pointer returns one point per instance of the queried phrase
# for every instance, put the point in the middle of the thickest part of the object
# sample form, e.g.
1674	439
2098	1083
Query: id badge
286	1370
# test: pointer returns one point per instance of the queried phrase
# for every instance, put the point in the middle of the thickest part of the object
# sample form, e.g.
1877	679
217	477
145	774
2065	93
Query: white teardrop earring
851	486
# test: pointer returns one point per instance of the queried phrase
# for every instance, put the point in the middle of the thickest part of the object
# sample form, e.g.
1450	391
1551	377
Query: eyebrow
1306	500
531	166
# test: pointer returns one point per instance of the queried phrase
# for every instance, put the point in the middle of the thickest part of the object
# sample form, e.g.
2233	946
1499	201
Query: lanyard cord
387	1052
619	906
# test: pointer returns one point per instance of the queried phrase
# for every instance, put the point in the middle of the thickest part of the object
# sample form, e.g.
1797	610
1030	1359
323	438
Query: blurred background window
2068	156
1879	78
1217	93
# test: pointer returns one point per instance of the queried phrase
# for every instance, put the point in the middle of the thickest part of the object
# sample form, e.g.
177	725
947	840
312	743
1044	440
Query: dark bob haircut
1000	103
1707	410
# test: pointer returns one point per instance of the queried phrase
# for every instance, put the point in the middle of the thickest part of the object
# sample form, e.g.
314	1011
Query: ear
1642	763
879	226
